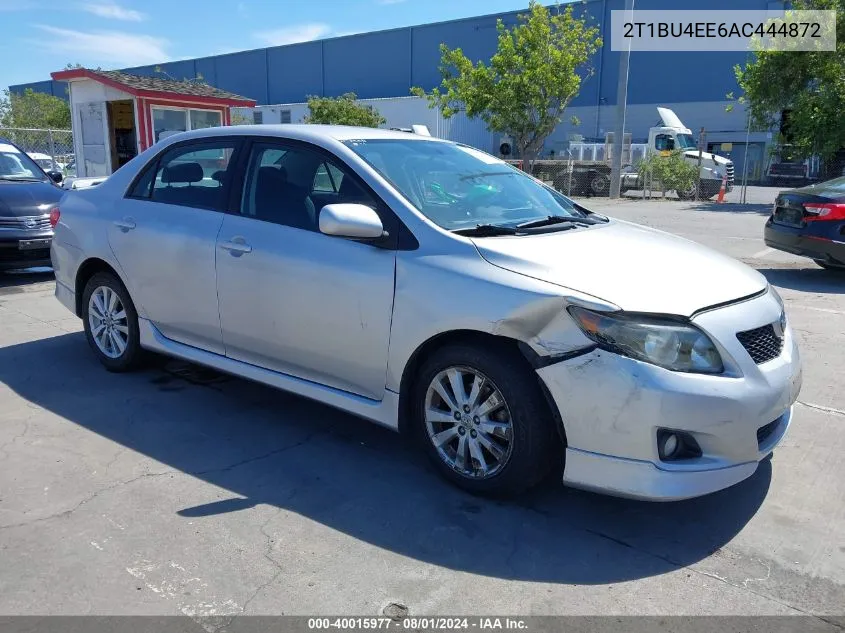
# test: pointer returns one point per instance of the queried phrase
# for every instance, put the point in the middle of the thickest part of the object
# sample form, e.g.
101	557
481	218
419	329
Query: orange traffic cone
721	198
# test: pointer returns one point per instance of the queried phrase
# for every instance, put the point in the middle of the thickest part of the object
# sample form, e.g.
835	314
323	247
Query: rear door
164	239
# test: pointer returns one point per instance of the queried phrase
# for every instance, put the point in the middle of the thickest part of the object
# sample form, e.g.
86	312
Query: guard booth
115	116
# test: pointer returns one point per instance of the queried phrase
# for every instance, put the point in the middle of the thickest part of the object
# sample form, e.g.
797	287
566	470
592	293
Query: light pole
621	105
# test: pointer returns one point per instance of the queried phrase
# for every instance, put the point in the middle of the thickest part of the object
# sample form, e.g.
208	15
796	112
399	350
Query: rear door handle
236	247
127	224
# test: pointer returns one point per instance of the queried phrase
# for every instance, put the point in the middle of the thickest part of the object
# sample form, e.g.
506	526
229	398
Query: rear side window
190	175
143	185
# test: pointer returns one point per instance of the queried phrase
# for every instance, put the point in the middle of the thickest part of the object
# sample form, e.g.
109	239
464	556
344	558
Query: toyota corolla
436	290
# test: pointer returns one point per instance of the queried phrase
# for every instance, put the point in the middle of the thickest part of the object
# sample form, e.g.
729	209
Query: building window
284	116
205	118
257	117
170	121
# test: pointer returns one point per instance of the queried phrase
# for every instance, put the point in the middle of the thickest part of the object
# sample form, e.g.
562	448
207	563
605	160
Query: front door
292	299
164	237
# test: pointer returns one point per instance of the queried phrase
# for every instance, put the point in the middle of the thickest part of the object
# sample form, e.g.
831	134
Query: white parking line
820	407
793	306
763	253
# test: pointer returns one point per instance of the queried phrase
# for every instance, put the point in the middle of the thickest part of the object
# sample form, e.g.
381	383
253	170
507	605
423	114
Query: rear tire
600	184
498	436
111	323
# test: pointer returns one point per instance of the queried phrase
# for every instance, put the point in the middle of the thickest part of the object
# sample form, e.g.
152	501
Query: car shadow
811	279
731	207
12	279
268	447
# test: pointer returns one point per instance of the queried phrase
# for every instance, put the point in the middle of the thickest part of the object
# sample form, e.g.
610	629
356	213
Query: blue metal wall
389	63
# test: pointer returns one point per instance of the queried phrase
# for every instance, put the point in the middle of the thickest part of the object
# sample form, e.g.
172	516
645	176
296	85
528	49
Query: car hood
719	160
27	198
637	268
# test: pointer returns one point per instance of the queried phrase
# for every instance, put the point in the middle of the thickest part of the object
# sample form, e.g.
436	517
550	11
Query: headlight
662	342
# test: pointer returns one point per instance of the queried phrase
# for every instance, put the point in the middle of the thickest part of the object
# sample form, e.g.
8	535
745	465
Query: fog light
668	446
676	445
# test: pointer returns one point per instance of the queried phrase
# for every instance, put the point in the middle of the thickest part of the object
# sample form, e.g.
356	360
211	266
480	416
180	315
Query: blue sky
41	36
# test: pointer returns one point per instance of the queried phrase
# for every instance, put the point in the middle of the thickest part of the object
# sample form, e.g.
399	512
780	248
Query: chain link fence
51	149
574	178
592	178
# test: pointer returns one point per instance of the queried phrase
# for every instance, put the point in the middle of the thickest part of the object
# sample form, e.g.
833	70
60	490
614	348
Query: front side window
664	143
291	185
458	187
194	175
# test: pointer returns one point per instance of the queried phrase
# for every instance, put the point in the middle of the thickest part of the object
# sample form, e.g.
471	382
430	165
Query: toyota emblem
30	223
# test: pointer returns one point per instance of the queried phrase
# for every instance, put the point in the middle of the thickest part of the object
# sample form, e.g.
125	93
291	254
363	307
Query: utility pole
621	106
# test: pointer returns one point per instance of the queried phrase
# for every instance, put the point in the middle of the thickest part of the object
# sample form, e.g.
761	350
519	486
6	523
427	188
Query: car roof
308	132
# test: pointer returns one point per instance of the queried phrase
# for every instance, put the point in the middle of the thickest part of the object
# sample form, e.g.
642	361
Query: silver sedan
434	289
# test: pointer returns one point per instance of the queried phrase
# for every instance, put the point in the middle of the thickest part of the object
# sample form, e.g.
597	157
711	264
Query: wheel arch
86	270
472	337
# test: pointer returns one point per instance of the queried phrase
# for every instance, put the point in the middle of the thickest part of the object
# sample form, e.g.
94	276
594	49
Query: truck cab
673	135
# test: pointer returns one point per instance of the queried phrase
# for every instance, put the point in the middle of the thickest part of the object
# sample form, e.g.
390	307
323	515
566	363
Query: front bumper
13	256
613	406
825	245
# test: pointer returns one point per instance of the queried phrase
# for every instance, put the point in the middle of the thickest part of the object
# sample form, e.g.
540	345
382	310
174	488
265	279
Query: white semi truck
663	139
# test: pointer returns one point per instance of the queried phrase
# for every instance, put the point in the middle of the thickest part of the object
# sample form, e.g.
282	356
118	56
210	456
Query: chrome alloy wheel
108	322
469	423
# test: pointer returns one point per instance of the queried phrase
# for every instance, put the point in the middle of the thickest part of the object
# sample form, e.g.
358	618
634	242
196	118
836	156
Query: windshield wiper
486	173
554	219
486	230
20	178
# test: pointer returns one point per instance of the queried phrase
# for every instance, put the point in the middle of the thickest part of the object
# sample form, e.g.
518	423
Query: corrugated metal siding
295	72
389	63
370	65
244	74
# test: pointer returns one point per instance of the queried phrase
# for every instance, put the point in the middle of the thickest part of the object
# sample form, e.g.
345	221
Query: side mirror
350	220
56	176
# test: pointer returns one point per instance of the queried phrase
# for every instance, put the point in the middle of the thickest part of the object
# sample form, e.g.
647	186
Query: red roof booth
115	116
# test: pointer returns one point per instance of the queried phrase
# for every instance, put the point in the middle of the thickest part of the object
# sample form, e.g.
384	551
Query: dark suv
28	195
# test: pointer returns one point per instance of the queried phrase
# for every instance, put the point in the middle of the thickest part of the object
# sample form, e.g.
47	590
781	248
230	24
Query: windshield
686	141
15	165
459	187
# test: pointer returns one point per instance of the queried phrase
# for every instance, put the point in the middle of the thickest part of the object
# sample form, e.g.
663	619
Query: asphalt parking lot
177	491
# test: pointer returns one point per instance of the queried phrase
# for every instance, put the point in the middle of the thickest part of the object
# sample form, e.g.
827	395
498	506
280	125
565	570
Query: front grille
729	171
27	223
761	343
764	432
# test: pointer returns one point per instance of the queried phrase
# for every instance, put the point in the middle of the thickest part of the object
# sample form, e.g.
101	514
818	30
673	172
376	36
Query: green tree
342	110
672	172
537	70
34	110
810	85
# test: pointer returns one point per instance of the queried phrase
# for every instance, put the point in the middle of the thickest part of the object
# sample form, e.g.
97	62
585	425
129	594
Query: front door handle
236	246
126	224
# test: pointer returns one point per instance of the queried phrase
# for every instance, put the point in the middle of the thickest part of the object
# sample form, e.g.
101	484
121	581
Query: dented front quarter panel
457	289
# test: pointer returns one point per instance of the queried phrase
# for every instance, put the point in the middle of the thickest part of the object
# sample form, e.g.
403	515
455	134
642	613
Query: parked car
434	289
811	222
44	161
28	195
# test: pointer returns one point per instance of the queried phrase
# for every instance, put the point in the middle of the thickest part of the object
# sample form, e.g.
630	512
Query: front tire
111	323
483	420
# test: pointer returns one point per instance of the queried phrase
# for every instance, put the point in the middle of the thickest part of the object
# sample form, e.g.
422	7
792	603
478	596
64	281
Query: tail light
55	214
827	211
